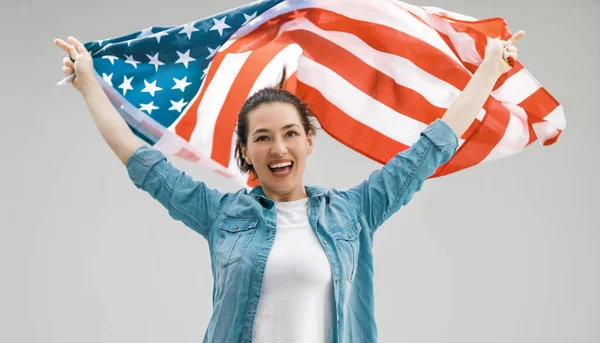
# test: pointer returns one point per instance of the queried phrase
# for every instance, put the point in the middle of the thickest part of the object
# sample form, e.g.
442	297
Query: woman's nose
278	148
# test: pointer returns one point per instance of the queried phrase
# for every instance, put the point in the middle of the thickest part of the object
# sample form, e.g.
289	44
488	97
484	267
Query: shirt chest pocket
232	240
348	244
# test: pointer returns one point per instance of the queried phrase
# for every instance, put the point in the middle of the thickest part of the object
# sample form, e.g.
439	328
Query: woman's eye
292	133
261	138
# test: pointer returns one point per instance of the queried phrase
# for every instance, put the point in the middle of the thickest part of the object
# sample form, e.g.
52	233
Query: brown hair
266	96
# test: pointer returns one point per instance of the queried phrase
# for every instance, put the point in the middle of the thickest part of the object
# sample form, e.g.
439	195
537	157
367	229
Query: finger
67	62
62	44
77	44
72	52
511	48
67	70
516	37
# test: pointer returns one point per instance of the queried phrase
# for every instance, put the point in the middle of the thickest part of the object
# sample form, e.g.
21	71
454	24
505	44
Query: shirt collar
313	192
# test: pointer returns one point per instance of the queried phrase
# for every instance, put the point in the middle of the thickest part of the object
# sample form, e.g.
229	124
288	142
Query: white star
145	32
248	18
111	58
151	87
126	85
205	72
158	35
107	78
106	46
154	60
185	58
181	84
220	25
100	42
177	106
212	52
148	107
131	61
188	29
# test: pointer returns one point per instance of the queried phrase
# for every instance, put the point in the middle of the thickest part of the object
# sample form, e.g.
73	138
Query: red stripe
348	130
539	104
479	145
264	34
379	37
185	127
392	41
367	79
237	94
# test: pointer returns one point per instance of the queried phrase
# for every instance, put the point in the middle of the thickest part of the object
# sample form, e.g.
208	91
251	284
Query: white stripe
436	91
378	12
359	105
544	131
453	15
557	118
212	102
516	88
387	14
270	75
463	43
515	137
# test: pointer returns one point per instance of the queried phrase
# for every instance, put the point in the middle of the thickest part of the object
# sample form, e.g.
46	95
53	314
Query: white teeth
280	165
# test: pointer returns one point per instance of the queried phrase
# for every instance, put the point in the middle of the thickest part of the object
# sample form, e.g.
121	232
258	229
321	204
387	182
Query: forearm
109	122
467	105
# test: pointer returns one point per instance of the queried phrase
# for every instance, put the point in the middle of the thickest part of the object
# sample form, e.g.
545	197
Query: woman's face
277	148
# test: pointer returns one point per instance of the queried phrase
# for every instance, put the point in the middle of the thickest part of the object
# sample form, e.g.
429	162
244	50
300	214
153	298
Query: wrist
89	88
491	68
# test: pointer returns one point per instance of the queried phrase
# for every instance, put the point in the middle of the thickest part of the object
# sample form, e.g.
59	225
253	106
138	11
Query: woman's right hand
83	67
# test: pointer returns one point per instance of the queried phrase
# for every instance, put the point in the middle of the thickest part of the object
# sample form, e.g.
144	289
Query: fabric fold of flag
374	72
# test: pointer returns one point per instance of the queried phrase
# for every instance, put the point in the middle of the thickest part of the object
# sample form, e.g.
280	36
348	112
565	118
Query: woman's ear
245	155
309	139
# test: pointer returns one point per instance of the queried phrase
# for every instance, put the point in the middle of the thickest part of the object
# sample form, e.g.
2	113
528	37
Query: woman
290	262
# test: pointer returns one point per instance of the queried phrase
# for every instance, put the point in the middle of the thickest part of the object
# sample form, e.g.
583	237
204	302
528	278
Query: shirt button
235	227
325	242
337	282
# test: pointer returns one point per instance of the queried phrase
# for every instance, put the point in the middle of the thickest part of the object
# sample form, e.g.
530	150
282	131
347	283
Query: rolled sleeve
441	135
186	199
140	163
393	186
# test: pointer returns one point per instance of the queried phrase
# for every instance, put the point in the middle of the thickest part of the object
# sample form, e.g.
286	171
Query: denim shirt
240	229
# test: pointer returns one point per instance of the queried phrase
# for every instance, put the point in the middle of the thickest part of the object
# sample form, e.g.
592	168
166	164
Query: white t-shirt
296	303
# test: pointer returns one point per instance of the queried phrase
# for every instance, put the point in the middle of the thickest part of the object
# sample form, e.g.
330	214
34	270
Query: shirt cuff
441	135
140	163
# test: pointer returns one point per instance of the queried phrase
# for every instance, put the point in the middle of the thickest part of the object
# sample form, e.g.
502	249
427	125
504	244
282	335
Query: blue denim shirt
240	229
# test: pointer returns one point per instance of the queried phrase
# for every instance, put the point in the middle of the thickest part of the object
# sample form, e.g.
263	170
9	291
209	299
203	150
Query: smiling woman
278	148
291	262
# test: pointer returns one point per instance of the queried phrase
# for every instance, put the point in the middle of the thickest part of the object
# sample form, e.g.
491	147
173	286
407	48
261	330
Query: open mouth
282	169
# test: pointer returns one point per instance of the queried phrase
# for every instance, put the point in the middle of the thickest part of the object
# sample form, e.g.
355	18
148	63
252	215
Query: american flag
374	72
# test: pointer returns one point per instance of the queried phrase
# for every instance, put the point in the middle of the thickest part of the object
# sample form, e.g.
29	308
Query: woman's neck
295	194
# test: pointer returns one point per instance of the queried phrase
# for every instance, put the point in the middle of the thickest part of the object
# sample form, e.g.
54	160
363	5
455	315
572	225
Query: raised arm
467	105
187	200
388	189
109	122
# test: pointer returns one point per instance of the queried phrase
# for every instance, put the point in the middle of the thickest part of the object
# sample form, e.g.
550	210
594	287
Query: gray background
505	252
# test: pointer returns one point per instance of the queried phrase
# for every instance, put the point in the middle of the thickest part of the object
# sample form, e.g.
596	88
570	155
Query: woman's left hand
494	53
